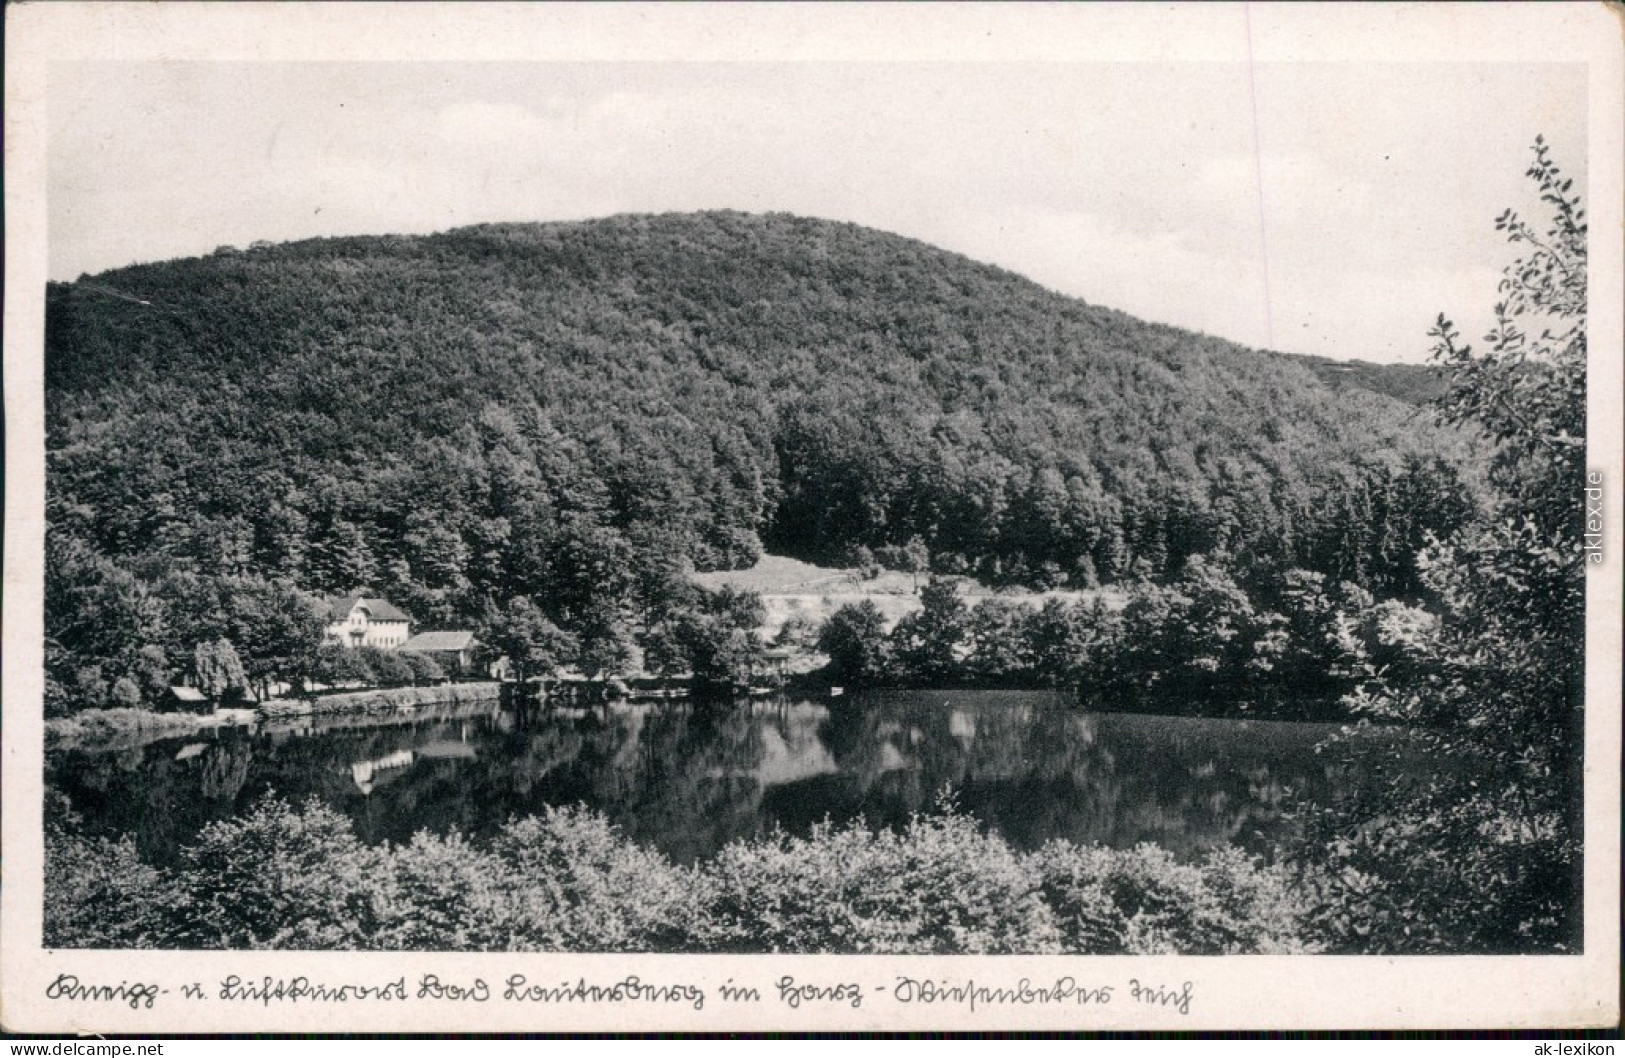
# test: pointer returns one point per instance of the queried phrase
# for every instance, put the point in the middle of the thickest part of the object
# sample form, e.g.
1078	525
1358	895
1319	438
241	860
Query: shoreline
381	699
124	728
109	729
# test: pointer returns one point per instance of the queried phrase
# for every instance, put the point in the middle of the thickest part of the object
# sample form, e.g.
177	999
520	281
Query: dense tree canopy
577	413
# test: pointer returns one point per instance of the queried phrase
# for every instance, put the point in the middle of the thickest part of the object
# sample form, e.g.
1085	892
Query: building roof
381	609
188	694
428	641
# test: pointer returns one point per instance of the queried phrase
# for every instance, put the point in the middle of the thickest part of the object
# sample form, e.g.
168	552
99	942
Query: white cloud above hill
1358	206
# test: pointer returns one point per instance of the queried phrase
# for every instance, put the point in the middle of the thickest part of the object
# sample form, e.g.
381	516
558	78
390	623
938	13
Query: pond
688	778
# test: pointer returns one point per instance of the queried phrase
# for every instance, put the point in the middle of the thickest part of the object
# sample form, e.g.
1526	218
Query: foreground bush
1462	875
98	894
279	878
584	887
939	886
1141	901
563	881
298	878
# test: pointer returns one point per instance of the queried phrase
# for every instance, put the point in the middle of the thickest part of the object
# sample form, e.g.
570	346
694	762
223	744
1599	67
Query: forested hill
454	420
1411	383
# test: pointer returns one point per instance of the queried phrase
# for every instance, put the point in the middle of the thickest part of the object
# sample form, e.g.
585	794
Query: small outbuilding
454	651
187	700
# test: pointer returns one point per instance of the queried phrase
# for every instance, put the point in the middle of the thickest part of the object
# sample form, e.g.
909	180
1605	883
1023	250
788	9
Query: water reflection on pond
688	779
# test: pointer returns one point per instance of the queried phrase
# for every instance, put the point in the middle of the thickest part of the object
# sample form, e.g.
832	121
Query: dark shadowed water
688	779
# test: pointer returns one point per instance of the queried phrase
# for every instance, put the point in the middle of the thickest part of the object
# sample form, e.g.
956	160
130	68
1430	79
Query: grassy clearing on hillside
782	575
789	586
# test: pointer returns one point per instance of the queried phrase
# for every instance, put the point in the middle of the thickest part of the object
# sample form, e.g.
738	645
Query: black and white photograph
574	535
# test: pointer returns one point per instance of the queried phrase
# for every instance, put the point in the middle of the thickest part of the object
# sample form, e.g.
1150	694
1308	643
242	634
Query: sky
1326	208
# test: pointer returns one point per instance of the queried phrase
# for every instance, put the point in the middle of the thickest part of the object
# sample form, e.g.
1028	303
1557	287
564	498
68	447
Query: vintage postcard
813	517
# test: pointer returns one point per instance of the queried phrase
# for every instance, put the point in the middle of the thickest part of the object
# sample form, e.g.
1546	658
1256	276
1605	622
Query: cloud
482	125
1136	187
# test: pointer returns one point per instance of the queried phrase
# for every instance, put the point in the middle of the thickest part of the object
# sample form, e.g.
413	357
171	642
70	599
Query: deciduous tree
854	638
1487	857
531	642
218	670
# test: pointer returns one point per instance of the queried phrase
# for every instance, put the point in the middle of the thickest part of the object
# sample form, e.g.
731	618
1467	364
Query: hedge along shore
385	699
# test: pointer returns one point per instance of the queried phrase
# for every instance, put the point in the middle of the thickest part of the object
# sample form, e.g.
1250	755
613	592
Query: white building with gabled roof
367	621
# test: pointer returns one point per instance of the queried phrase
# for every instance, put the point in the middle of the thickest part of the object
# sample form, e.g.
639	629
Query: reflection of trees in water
223	770
1035	769
689	778
1192	785
680	778
677	777
697	787
510	774
161	793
